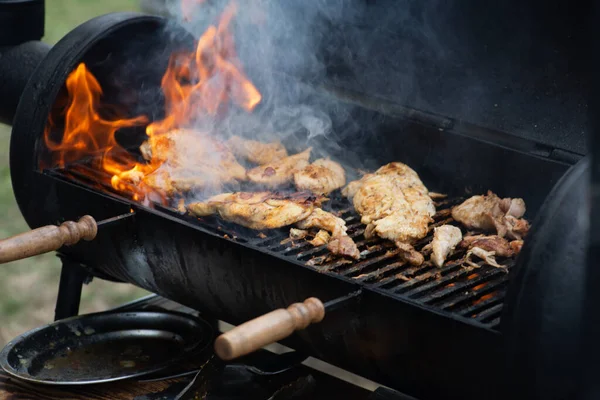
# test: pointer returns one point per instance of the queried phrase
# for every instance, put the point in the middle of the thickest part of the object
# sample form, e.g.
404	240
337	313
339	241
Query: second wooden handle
269	328
47	238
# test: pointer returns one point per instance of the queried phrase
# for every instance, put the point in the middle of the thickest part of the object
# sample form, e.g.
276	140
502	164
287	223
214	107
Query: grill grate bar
377	274
428	275
489	314
451	286
368	264
489	289
481	304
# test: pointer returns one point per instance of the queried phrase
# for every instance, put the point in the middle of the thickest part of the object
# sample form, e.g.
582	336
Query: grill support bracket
72	278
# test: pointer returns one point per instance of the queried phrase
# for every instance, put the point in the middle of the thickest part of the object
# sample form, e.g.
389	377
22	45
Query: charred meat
270	210
490	213
260	210
340	242
279	172
185	160
321	177
257	152
499	245
395	205
322	237
488	248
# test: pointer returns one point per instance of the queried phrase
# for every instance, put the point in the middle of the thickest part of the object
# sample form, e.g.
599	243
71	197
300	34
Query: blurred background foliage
28	288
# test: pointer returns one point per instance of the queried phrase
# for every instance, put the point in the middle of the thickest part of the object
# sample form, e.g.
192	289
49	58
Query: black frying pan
105	347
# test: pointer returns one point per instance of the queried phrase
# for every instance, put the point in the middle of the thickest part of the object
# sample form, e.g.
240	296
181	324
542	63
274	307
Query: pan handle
269	328
47	238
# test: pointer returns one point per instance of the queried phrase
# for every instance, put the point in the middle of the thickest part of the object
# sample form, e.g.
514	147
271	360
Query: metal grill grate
475	293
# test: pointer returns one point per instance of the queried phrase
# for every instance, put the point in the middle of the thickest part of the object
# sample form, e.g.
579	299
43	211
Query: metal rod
343	301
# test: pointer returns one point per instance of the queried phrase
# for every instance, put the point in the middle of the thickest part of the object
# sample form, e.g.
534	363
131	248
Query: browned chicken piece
395	205
409	254
186	160
340	242
279	172
445	240
270	210
260	210
499	245
322	177
322	237
488	248
516	246
297	234
257	152
491	213
487	256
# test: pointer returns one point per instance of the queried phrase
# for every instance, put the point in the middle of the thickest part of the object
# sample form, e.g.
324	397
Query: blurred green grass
28	288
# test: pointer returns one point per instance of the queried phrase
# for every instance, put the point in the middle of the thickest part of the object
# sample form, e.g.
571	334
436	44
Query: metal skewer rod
52	237
276	325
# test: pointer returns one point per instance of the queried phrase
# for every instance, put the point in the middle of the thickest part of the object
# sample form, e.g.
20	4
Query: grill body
389	337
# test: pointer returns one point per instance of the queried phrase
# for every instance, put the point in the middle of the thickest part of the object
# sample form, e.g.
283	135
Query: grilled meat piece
257	152
395	205
279	172
516	246
487	256
340	242
322	237
270	210
261	210
409	254
186	160
488	248
445	240
297	234
322	177
491	213
499	245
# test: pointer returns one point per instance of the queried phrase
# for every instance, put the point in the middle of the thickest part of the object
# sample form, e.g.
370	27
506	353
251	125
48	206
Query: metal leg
72	278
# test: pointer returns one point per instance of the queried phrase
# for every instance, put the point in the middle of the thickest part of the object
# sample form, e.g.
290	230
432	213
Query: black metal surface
17	65
72	278
589	387
21	21
388	394
542	320
104	347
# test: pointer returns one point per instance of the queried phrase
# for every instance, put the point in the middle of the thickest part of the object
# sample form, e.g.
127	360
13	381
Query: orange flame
485	297
197	85
86	133
480	286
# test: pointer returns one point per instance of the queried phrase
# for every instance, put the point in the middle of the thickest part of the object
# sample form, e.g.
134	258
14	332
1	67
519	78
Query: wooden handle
47	238
269	328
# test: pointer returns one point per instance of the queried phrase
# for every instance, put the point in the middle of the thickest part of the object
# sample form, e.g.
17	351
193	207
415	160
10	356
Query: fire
86	132
198	86
480	286
485	297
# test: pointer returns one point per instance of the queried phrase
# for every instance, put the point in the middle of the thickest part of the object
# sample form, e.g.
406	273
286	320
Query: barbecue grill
425	331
